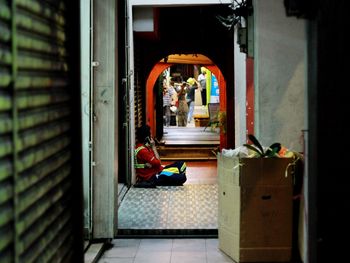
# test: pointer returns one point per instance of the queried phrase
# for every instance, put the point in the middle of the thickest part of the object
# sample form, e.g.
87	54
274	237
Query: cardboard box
255	208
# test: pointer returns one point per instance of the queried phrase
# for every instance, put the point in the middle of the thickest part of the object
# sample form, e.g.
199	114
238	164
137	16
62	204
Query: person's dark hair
143	132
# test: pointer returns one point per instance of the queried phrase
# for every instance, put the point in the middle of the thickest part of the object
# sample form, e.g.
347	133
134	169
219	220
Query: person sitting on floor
149	170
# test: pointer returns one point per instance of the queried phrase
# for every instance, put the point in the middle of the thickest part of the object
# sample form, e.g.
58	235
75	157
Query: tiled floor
164	251
191	206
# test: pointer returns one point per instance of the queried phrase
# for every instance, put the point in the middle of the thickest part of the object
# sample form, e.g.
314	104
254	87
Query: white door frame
86	97
130	70
104	118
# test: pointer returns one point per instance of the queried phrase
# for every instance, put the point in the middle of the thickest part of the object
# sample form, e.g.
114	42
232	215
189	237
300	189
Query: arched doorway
160	66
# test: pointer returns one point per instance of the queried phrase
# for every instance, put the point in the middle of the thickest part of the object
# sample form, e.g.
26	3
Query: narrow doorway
178	36
188	210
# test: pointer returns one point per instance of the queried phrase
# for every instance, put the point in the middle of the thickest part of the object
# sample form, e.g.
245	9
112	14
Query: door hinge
90	146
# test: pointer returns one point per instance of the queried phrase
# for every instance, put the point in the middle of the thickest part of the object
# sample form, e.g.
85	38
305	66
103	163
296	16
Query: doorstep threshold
167	233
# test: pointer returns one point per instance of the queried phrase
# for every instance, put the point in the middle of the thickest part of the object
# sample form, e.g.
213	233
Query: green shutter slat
53	210
32	118
5	101
40	26
51	234
5	146
5	78
33	195
6	256
37	155
6	237
35	138
41	134
6	215
43	10
64	242
38	100
36	212
5	57
6	173
39	82
6	192
5	169
5	123
5	12
40	45
31	62
29	237
41	170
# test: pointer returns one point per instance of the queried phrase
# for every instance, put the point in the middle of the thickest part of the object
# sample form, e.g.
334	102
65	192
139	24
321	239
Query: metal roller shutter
35	140
7	231
139	93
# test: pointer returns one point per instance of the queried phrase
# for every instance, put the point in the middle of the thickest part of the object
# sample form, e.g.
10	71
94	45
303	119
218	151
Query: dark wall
122	93
331	130
73	46
328	116
188	30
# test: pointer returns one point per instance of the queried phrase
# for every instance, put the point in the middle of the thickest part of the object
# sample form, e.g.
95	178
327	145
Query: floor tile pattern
192	206
165	250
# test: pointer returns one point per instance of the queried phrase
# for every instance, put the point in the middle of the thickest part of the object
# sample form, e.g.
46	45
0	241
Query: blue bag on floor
173	174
